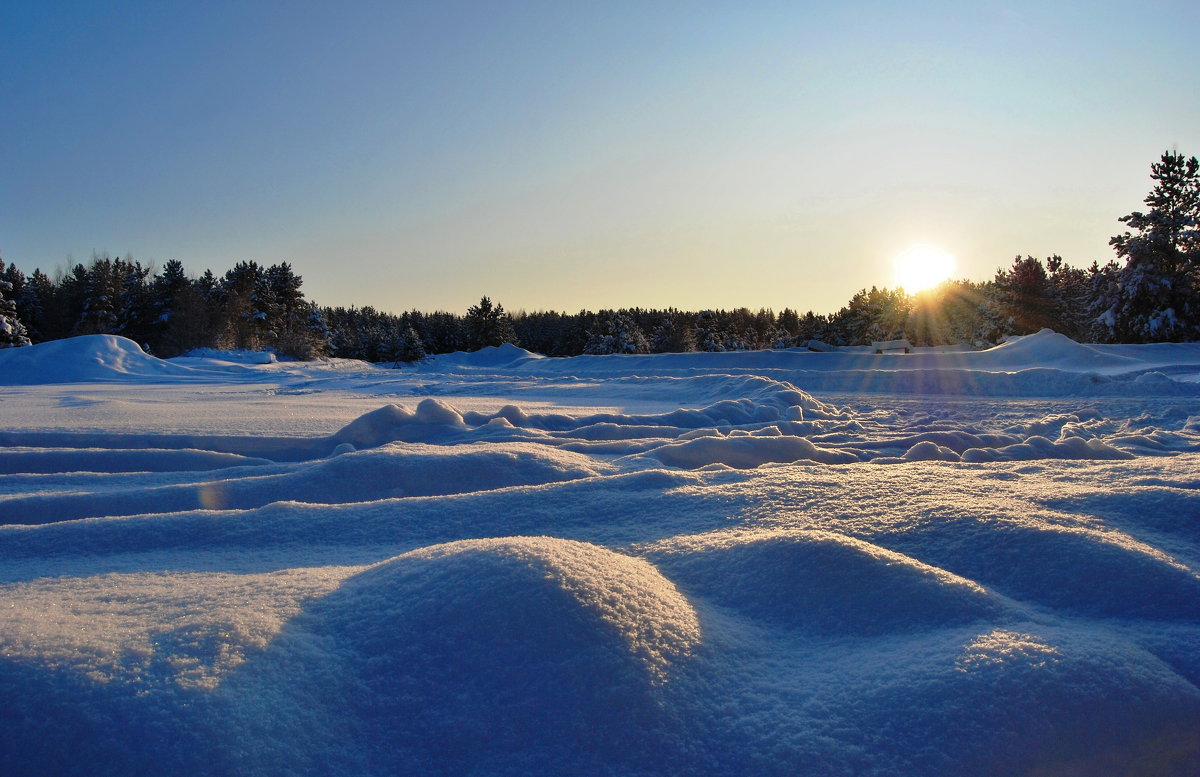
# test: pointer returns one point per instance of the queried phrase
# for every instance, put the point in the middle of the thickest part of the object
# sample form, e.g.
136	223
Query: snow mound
747	452
83	359
1074	569
1049	348
396	422
823	582
504	355
471	656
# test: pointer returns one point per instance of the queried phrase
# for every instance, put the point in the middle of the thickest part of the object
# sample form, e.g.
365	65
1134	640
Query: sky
570	155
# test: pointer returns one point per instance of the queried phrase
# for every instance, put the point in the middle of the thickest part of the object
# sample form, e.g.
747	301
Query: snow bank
1048	348
1039	365
84	359
505	355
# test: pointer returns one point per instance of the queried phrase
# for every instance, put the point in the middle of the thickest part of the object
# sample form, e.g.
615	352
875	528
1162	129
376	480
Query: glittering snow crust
762	563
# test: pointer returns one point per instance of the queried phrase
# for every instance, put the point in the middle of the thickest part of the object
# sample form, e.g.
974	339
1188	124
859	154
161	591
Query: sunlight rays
921	267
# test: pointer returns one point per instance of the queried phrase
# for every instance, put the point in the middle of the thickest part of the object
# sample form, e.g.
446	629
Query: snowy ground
771	563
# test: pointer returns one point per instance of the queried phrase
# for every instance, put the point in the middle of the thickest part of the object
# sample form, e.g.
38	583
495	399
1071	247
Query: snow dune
771	563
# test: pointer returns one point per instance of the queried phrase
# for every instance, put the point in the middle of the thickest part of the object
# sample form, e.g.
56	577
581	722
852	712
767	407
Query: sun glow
922	267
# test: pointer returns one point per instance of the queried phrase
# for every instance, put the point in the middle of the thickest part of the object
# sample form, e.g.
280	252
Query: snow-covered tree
290	317
1104	293
673	335
12	331
1070	298
16	282
713	331
616	332
877	314
1157	295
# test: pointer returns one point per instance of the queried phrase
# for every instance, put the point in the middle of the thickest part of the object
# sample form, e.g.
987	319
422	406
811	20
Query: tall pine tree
1157	294
488	325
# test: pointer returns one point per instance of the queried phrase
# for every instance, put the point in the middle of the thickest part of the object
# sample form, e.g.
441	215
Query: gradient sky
564	155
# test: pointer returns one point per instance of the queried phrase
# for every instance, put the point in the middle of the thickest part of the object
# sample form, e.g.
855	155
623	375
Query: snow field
603	565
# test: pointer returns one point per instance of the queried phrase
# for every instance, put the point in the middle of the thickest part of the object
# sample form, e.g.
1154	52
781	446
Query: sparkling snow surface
767	563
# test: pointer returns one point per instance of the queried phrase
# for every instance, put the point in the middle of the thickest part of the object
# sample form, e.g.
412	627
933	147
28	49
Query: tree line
169	312
1154	296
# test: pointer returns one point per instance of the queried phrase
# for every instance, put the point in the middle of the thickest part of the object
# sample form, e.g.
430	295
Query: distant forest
1152	295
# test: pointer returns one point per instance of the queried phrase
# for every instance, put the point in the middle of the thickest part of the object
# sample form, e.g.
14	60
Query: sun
921	267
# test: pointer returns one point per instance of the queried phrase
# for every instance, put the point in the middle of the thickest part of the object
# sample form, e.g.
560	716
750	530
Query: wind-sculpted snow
823	582
400	470
773	563
91	358
484	656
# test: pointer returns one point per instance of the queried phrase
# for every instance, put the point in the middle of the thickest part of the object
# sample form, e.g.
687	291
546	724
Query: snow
756	563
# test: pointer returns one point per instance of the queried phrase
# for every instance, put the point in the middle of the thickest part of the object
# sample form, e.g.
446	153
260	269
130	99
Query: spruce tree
12	331
1158	290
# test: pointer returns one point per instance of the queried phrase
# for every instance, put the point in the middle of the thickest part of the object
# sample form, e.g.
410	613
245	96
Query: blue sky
563	155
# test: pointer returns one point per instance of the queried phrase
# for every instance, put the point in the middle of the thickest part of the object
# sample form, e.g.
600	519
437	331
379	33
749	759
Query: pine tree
712	332
245	294
1104	294
36	298
16	282
166	292
1069	299
134	305
1158	290
877	314
488	325
290	319
673	335
404	346
12	331
616	332
1024	295
317	331
101	295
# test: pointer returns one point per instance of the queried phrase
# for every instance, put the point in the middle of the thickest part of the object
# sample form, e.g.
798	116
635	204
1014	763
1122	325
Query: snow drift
772	563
